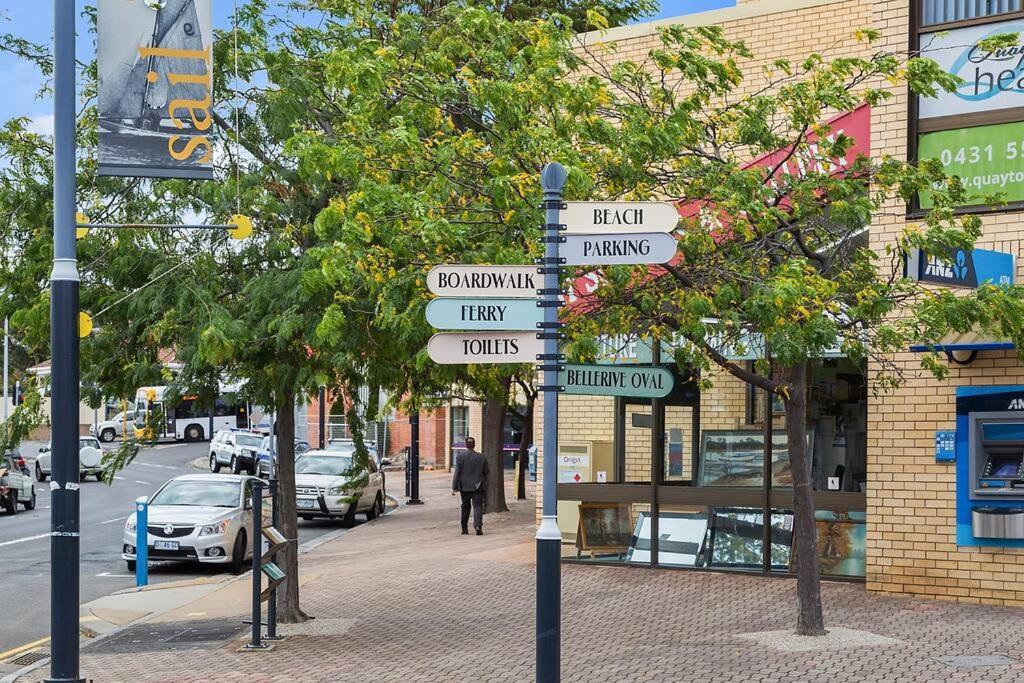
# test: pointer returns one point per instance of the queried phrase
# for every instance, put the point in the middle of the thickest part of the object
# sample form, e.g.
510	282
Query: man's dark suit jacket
470	472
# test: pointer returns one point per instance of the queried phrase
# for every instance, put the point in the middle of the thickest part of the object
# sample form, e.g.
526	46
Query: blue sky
34	20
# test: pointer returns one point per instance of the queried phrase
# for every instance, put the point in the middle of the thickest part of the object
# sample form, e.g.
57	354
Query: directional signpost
617	217
484	314
616	380
484	281
623	249
458	348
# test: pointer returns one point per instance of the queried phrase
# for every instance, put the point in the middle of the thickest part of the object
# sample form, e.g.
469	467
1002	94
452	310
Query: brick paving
431	605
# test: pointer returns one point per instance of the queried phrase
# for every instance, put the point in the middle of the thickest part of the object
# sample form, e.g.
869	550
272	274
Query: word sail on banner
457	348
617	217
616	380
483	281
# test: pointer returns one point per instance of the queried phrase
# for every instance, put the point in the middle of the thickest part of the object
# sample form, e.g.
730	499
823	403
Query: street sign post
457	348
483	281
621	249
616	380
619	217
484	314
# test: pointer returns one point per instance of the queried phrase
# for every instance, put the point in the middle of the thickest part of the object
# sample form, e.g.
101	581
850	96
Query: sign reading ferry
621	249
484	281
618	217
458	348
616	380
484	314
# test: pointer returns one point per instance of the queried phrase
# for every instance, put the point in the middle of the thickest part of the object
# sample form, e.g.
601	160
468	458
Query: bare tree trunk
810	621
524	447
288	611
493	440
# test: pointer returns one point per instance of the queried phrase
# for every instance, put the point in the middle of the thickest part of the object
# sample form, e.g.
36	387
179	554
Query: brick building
899	476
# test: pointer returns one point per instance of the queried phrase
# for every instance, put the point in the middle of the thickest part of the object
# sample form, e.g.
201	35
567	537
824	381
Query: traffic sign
616	380
615	217
484	281
484	314
622	249
456	348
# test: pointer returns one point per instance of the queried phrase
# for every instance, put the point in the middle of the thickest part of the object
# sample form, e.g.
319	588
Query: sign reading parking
616	217
624	249
457	348
483	281
484	314
615	380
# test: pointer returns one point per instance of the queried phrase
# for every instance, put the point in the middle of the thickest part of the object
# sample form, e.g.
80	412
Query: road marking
111	521
27	538
119	478
108	575
195	614
143	482
22	648
163	467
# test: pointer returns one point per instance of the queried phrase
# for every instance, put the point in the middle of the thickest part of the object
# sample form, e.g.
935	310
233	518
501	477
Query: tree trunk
288	611
524	447
493	441
810	621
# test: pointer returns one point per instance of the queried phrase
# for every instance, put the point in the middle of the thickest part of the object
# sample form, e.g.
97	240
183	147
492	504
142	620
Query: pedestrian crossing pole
549	538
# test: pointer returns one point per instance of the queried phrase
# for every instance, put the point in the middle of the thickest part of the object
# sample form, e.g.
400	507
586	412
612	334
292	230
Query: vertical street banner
154	59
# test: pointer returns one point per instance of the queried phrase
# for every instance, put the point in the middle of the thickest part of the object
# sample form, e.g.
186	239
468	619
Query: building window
460	426
949	11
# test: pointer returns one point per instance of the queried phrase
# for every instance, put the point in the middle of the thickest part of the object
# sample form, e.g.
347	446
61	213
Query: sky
33	20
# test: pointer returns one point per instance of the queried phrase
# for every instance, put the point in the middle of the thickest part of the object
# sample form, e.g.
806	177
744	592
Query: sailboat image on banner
156	82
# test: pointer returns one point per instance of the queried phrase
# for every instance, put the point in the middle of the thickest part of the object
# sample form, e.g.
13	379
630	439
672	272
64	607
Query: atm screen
1004	466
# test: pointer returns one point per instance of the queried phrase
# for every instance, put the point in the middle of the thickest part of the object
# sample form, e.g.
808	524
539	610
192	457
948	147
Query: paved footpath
406	598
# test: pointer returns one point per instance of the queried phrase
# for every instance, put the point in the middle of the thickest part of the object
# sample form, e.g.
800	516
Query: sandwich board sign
617	217
484	281
484	314
458	348
622	249
616	380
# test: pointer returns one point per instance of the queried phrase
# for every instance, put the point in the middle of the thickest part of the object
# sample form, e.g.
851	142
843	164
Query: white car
90	459
235	449
198	518
108	430
16	487
321	482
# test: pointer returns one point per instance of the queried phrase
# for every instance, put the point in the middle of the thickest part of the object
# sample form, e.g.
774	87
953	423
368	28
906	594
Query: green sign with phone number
988	159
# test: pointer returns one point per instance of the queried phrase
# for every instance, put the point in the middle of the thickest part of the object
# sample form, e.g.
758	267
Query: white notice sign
484	281
457	348
608	250
605	217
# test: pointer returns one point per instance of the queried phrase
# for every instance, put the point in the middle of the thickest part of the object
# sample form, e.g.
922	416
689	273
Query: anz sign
961	268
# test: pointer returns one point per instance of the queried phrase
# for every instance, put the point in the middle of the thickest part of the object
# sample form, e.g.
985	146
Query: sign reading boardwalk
457	348
616	380
618	217
485	281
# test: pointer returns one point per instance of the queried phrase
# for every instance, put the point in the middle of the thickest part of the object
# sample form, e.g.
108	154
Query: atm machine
990	466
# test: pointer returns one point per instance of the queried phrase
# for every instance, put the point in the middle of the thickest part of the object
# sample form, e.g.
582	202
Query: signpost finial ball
552	178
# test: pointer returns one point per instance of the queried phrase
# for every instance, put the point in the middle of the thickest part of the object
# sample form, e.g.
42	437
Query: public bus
187	419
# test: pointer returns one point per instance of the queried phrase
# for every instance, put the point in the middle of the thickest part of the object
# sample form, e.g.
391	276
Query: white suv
235	449
108	430
321	482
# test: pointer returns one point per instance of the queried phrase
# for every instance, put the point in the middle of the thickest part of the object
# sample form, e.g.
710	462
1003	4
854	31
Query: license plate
305	503
165	545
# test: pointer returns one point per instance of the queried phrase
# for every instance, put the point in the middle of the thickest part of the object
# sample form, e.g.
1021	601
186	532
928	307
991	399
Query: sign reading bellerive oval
628	248
484	281
604	217
616	380
457	348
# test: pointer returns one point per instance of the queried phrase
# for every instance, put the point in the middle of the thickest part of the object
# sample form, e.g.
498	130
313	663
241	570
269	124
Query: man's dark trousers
477	499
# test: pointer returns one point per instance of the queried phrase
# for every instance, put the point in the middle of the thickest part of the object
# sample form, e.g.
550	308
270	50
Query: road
25	541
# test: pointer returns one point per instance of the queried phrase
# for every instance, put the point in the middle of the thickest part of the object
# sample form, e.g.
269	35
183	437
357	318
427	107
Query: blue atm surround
1009	399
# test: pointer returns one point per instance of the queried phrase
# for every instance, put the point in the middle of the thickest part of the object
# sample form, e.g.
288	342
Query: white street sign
484	281
456	348
607	250
616	217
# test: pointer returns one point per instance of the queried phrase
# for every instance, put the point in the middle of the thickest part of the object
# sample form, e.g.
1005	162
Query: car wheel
308	518
40	475
11	504
99	476
214	465
238	553
375	510
194	433
349	520
236	467
107	435
30	504
130	564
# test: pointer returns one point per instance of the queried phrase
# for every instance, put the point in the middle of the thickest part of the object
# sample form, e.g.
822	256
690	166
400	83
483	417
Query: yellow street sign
79	219
242	229
84	324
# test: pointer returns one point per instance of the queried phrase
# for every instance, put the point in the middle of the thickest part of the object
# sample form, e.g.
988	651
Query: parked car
108	430
348	446
198	518
16	485
321	482
235	449
90	459
263	454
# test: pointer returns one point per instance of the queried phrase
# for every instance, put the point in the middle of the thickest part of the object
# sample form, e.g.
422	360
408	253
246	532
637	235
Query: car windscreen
333	465
200	493
247	440
265	444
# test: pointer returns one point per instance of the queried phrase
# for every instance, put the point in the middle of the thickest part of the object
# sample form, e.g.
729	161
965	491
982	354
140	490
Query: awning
966	341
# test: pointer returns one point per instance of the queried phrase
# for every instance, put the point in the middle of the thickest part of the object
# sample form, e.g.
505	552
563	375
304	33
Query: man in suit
470	479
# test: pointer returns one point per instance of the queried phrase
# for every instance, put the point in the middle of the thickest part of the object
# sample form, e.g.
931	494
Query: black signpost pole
549	538
414	459
256	643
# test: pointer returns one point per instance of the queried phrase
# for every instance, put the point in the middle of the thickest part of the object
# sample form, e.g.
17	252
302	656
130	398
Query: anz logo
957	270
1016	404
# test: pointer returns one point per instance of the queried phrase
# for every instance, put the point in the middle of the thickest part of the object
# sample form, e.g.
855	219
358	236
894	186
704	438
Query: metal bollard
257	536
141	542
